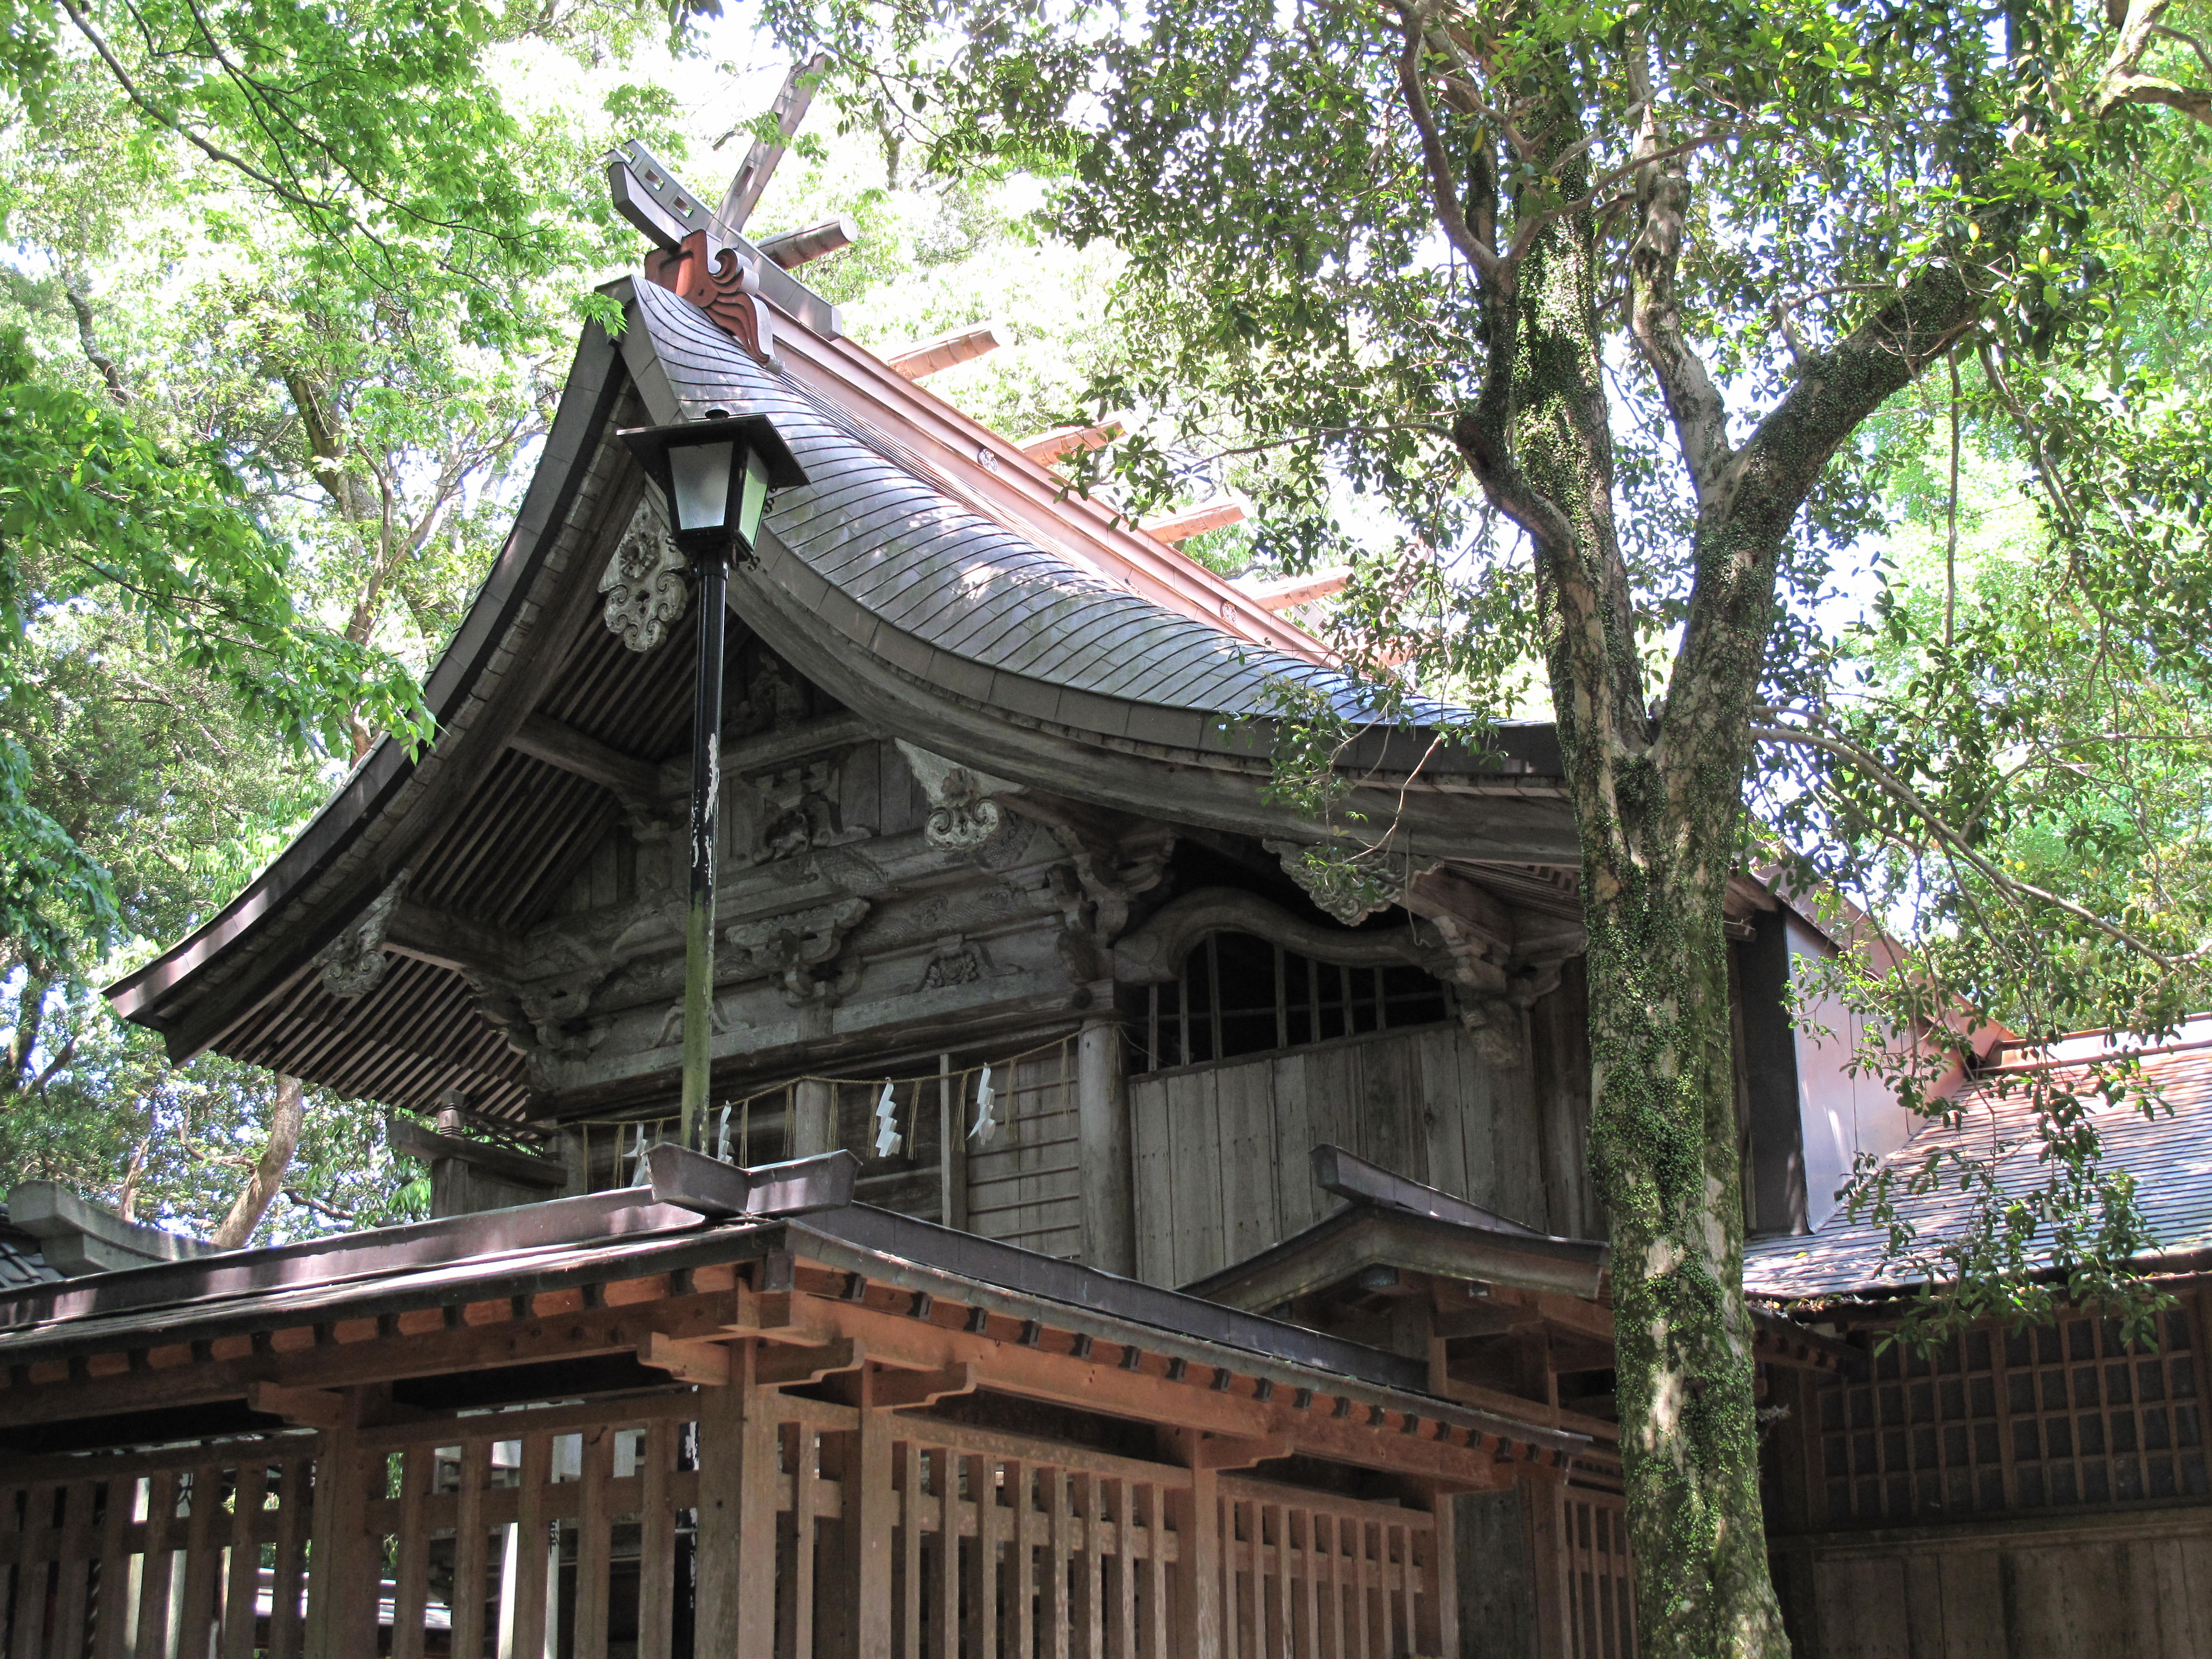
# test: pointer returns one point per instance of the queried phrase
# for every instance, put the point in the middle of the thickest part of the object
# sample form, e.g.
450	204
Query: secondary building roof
2160	1133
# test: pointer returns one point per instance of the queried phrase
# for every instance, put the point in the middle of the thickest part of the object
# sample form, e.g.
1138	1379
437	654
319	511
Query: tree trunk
1658	818
284	1126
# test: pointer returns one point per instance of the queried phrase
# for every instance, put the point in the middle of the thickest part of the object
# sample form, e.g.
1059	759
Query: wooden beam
451	941
385	1359
962	345
1282	592
312	1408
794	248
634	782
796	1367
759	166
1045	448
1179	527
687	1360
1114	1391
411	1139
1231	1451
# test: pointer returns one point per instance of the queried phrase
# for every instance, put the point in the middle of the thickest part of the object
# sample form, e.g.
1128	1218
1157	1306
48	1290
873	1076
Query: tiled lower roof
21	1263
2169	1152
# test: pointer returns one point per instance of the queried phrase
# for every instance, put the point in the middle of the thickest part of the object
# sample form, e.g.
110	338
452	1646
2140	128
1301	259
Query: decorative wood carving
957	960
794	947
1349	890
1153	954
963	816
353	963
799	810
719	283
644	581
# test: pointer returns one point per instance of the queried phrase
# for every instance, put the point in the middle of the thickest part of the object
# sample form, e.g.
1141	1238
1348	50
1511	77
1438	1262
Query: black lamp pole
713	573
716	475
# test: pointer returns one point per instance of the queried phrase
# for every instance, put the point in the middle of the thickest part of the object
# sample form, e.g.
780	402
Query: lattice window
1238	994
2055	1416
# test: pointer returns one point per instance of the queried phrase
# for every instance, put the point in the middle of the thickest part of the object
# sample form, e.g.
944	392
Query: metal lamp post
716	475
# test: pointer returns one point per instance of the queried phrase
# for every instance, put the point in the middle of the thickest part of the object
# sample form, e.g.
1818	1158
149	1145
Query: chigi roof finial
704	255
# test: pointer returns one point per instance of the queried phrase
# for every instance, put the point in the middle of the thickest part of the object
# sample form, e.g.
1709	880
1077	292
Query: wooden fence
575	1532
199	1552
1315	1577
1596	1587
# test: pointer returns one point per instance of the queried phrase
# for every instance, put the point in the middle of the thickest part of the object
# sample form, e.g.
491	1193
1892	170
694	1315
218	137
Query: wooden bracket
706	1364
314	1408
1230	1451
777	1315
786	1368
892	1389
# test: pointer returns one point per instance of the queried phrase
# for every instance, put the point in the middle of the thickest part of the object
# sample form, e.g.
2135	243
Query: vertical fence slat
595	1542
466	1607
1156	1571
152	1634
805	1482
112	1611
983	1596
949	1576
1121	1629
73	1599
910	1549
247	1501
657	1590
287	1578
411	1572
28	1628
526	1617
1053	1488
1024	1563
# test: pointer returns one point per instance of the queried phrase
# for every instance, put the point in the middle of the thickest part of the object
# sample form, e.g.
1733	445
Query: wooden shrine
1102	1230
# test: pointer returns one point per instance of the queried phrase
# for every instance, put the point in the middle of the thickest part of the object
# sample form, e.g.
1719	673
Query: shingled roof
2169	1152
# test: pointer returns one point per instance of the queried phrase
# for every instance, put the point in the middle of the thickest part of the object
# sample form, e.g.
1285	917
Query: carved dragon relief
645	581
353	963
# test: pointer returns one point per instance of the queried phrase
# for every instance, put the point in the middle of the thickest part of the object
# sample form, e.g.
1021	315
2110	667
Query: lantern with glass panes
716	476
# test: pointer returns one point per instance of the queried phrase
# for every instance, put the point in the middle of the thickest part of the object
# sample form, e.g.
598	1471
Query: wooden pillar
813	1118
738	1477
1102	1117
342	1568
952	1138
1545	1507
1439	1607
1197	1617
871	1509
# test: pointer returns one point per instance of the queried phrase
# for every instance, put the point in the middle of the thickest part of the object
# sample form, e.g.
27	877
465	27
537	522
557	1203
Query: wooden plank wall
2128	1585
1221	1150
1025	1184
159	1554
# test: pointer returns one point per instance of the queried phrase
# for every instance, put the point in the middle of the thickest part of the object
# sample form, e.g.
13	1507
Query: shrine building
1094	1226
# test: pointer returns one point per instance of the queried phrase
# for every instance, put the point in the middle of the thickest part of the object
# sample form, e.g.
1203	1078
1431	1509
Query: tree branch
1662	195
2123	81
1443	188
1906	796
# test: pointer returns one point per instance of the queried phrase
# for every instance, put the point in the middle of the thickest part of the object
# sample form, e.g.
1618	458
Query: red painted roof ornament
721	284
